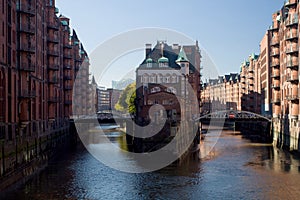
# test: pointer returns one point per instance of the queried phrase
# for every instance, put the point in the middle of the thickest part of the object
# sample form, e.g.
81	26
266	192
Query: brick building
235	91
39	61
222	93
162	78
284	48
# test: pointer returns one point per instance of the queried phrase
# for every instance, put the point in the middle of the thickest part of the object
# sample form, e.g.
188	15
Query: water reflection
235	169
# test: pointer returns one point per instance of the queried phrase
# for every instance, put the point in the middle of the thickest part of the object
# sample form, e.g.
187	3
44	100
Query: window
171	90
167	79
165	64
152	79
159	79
155	89
150	102
174	79
145	79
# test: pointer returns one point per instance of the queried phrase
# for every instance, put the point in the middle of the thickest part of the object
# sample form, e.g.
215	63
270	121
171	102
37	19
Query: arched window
145	78
155	89
167	79
174	78
159	78
171	90
153	78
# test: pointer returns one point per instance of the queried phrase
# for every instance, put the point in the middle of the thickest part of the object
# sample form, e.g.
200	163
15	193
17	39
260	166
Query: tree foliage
127	99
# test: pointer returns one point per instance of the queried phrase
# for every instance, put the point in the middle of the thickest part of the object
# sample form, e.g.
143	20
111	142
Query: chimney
148	49
175	46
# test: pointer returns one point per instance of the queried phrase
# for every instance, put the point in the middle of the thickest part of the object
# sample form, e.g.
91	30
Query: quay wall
25	157
286	134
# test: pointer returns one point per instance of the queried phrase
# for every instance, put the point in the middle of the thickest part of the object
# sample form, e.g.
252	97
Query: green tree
126	100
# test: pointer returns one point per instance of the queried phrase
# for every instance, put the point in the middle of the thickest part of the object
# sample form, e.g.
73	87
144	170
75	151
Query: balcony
27	94
273	28
26	28
275	52
68	87
26	9
292	64
53	99
53	67
68	102
26	47
67	56
292	78
275	75
276	99
291	21
53	39
67	67
53	25
292	49
293	97
26	66
294	111
67	46
275	64
290	3
275	42
291	36
68	77
54	53
276	86
53	80
79	60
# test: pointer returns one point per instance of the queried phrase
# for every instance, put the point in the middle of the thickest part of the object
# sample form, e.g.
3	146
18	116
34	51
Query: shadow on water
236	169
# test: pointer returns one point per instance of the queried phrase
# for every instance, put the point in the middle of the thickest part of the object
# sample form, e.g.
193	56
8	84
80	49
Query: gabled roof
182	56
162	49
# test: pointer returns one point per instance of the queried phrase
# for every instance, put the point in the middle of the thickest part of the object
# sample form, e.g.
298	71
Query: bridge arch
232	114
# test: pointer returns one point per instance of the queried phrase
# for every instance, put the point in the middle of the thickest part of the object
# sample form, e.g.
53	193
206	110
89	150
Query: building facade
39	62
163	78
284	42
235	91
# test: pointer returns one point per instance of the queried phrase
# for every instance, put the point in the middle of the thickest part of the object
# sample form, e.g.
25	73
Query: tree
127	99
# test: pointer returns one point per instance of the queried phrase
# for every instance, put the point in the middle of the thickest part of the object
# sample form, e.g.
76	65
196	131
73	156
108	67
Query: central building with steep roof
163	78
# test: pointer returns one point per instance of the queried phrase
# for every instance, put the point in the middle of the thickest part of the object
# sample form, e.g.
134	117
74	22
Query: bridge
102	117
232	115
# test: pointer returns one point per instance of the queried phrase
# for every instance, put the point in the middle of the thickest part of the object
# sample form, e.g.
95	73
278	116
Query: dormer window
149	63
163	62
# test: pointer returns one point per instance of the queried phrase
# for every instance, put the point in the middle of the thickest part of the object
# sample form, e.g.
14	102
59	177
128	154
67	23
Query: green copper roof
182	56
163	60
254	56
65	23
149	60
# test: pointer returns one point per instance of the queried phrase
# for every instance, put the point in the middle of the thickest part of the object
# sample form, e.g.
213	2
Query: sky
228	31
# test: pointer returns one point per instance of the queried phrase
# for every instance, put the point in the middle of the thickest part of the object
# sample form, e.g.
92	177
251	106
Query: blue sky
228	30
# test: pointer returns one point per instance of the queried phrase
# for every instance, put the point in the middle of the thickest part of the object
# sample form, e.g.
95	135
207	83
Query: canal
236	168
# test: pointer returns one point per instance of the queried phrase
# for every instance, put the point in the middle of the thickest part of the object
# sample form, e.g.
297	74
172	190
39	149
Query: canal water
236	168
